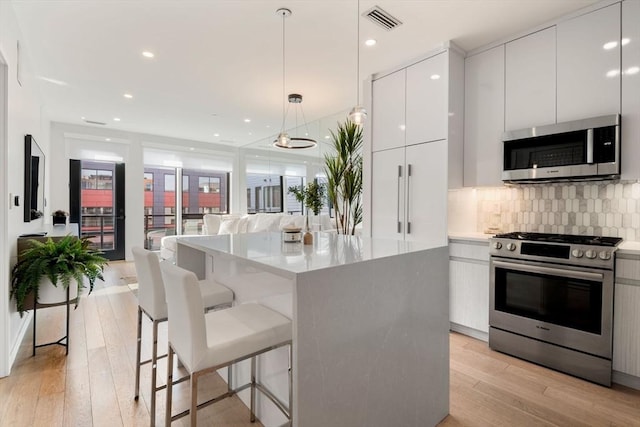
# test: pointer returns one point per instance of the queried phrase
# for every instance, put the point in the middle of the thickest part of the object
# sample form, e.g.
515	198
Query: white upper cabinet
388	115
630	90
427	95
530	85
484	118
589	65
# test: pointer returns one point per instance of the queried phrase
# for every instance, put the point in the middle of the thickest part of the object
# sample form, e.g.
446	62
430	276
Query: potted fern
45	265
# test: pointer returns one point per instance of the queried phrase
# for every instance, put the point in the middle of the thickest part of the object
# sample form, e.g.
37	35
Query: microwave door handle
551	271
590	146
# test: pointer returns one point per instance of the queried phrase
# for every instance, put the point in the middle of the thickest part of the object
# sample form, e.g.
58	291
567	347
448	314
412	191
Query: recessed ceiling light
116	119
128	96
216	134
613	73
610	45
370	42
247	120
148	54
326	137
107	139
250	134
435	76
82	118
191	148
625	41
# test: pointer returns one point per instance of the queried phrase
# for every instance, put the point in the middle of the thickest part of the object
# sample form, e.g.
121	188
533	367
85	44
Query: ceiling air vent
382	18
93	122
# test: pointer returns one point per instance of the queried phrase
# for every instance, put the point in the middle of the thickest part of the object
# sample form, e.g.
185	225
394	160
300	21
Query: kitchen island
370	323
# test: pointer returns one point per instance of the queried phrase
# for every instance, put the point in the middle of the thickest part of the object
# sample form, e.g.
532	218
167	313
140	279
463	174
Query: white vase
49	294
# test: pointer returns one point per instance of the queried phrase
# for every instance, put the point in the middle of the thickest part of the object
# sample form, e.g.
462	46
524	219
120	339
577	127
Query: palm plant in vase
344	176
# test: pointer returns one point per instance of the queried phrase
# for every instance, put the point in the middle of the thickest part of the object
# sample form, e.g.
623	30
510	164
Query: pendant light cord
284	16
358	54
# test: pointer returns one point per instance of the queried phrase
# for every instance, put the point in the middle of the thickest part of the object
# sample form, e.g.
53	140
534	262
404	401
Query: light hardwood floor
93	386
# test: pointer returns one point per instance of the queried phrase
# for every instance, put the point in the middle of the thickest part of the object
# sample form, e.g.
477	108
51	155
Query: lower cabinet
626	321
469	288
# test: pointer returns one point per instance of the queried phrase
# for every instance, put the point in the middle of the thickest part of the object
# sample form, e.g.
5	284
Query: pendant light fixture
358	114
283	140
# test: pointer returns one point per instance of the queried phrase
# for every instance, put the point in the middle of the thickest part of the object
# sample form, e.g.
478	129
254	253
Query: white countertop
328	249
470	236
630	248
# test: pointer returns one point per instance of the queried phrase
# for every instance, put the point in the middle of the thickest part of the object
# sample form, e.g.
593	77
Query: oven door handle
551	271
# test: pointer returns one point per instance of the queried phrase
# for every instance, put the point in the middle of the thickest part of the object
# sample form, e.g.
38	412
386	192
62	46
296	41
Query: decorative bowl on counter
292	234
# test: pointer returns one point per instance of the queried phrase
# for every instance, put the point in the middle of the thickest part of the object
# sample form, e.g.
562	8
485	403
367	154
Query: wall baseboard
626	380
465	330
15	346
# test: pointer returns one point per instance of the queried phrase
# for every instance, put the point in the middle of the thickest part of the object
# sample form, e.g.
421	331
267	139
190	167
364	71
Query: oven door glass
565	301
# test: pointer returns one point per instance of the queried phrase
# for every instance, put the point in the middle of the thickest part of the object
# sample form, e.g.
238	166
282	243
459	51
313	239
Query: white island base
370	323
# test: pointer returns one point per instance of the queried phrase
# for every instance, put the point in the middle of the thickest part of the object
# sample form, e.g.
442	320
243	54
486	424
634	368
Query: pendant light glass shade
283	140
358	115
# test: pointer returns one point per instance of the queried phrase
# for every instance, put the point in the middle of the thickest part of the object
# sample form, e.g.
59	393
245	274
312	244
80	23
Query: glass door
97	204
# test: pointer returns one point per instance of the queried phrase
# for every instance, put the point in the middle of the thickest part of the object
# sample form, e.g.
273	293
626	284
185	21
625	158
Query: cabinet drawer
471	250
628	269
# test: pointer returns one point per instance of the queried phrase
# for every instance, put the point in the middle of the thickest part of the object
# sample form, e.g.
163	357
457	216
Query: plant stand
64	341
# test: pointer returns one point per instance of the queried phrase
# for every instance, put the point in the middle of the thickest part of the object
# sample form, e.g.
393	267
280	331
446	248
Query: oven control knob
577	253
511	246
604	255
591	254
497	245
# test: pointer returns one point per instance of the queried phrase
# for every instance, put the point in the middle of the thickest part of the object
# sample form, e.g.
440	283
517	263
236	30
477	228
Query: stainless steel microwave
580	149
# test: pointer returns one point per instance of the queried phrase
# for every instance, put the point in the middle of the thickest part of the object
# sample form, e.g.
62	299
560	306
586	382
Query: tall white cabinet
630	90
416	133
589	65
484	118
530	80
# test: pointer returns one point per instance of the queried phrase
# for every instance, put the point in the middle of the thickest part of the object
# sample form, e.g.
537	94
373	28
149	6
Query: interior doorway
96	199
4	220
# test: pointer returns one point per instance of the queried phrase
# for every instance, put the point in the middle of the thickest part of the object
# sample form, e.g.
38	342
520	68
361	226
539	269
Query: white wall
24	116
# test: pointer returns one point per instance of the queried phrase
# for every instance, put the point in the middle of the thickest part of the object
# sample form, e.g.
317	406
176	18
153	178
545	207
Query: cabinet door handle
398	200
589	146
408	198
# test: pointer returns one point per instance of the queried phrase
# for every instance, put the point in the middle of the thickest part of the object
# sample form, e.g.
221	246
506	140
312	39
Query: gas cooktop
562	238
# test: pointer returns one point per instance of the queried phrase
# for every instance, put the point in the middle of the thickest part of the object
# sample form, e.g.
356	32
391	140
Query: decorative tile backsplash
605	208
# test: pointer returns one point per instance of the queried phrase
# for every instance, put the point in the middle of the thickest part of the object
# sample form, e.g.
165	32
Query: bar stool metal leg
167	421
253	389
154	367
138	353
193	415
291	384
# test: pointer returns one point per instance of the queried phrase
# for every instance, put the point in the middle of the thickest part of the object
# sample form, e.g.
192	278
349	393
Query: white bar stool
151	302
207	342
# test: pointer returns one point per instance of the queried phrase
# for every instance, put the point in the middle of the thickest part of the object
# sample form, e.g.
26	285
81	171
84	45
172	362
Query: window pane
88	179
104	180
169	182
148	182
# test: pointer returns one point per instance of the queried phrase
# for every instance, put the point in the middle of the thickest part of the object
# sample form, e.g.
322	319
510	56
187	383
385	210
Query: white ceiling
218	62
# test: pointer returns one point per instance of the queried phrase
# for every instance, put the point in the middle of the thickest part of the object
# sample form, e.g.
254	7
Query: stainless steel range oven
551	301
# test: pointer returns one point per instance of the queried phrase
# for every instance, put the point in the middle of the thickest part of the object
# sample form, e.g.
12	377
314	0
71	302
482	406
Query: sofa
251	223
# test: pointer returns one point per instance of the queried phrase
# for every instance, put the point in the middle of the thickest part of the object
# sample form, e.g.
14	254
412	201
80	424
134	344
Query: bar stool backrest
187	328
151	294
